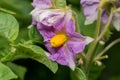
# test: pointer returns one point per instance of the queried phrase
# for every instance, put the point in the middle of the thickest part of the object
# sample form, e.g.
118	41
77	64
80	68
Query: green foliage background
29	67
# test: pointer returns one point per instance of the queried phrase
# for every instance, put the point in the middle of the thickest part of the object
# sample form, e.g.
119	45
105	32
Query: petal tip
89	39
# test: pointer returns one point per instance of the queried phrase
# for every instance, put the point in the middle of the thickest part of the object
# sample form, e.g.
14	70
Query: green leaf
78	74
23	36
35	36
95	71
22	9
33	52
4	47
19	70
9	27
6	73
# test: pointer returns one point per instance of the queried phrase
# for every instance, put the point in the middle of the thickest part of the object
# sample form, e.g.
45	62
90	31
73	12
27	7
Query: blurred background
37	71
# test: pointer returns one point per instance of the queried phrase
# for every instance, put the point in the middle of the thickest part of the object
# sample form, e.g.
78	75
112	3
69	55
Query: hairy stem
90	53
107	48
106	26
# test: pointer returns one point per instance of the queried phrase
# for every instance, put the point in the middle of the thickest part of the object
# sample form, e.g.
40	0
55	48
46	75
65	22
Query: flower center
58	40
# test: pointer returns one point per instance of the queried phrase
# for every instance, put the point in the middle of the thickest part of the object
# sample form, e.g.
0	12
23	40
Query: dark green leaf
36	53
34	35
95	71
9	27
78	74
6	73
22	8
23	35
19	70
4	47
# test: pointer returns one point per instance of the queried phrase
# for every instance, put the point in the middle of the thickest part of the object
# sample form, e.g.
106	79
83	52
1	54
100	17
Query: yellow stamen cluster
58	40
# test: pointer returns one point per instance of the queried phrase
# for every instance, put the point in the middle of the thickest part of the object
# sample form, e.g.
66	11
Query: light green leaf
33	52
35	36
6	73
78	74
95	71
19	70
4	47
9	27
38	54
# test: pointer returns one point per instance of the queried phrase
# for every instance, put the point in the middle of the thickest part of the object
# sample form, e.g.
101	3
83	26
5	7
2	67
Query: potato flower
58	30
91	12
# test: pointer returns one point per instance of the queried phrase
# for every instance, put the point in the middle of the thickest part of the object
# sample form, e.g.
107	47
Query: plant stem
106	26
108	47
98	24
7	11
90	53
76	22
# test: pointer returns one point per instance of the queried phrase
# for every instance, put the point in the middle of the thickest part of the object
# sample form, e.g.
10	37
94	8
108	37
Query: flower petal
48	17
91	18
104	16
42	4
71	57
116	21
76	46
90	10
89	2
78	42
57	54
88	39
70	27
65	22
46	32
62	56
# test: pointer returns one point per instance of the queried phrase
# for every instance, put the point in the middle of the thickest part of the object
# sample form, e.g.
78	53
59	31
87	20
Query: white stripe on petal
43	15
70	58
88	39
91	19
49	15
72	64
116	21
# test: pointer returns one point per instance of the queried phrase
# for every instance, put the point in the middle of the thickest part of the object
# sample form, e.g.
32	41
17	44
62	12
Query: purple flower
90	10
91	13
116	21
42	4
48	17
62	41
58	30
